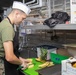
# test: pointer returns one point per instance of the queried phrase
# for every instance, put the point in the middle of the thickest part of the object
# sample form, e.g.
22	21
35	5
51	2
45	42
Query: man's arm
9	53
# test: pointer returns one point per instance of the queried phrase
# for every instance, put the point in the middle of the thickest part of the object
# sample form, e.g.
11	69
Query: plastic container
50	49
57	58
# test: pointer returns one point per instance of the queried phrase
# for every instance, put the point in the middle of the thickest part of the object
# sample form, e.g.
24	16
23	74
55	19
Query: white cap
21	6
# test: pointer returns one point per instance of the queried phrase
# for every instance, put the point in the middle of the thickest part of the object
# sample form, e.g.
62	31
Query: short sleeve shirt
6	33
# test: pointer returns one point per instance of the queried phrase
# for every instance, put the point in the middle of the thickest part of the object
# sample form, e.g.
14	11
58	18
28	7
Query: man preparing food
11	60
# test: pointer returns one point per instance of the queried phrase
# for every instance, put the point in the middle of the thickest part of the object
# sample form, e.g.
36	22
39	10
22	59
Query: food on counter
43	65
43	55
40	60
50	64
30	60
46	64
30	63
31	66
74	64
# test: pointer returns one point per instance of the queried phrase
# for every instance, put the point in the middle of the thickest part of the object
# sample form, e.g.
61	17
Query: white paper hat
21	6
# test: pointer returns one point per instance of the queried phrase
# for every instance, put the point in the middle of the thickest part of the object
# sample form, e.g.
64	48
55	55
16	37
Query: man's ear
16	12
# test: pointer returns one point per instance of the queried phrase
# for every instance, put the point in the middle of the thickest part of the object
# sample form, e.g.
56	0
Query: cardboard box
67	68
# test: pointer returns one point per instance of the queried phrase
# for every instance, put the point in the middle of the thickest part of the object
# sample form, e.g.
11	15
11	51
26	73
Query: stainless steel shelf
57	27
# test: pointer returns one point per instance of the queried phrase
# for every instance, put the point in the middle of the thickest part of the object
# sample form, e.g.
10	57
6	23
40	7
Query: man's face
19	18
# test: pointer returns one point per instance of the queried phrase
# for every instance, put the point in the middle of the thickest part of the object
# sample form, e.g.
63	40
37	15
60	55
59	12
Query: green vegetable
43	53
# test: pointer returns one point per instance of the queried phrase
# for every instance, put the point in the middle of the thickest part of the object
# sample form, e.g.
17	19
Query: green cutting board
32	71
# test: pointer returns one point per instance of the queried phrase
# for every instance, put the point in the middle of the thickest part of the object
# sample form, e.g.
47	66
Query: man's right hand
24	65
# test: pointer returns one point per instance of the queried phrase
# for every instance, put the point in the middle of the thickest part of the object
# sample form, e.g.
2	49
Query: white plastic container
50	50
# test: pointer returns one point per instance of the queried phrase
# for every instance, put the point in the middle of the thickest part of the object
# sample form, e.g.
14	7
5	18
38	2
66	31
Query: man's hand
25	63
24	60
